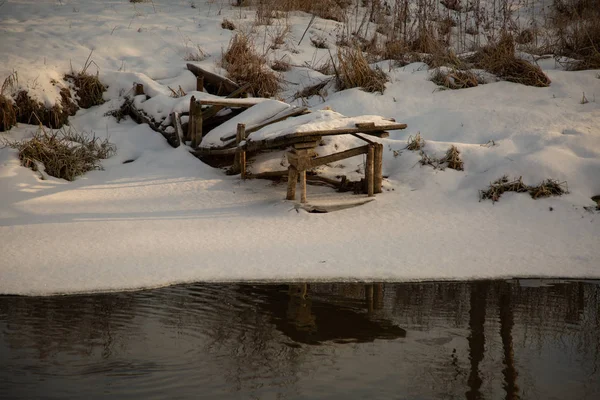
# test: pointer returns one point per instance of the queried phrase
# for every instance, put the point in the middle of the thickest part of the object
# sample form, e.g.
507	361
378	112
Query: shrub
227	24
244	65
454	78
64	154
353	70
499	59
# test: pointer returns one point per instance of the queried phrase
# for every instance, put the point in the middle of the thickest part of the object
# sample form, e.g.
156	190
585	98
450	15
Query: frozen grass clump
244	65
64	154
353	71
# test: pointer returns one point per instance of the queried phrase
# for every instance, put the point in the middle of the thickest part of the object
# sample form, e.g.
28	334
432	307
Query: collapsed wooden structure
204	114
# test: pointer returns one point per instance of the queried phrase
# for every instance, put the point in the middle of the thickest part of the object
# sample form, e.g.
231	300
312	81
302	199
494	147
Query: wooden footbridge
301	155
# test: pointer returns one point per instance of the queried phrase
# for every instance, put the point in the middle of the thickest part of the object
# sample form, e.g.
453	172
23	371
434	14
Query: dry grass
549	187
576	25
244	65
30	111
8	115
281	65
227	24
319	42
496	188
453	159
415	142
499	59
314	90
88	88
353	70
64	154
454	78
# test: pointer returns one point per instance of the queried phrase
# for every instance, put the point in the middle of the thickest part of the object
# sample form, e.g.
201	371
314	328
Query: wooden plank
175	119
317	162
212	80
190	130
379	131
141	117
369	171
356	135
276	142
203	151
138	89
276	118
292	178
306	145
241	135
378	168
197	133
365	124
229	102
212	111
303	186
374	131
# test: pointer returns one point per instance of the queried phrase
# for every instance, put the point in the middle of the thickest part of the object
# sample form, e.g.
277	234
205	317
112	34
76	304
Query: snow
167	218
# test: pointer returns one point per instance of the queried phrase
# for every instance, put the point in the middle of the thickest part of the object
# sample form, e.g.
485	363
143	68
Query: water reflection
473	340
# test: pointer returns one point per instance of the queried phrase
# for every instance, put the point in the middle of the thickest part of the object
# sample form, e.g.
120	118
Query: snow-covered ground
167	218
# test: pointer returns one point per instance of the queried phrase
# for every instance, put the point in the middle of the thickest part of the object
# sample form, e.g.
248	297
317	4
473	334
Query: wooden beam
190	130
200	83
378	168
197	133
374	130
303	186
285	140
229	102
369	170
138	89
292	178
241	154
212	80
175	119
276	118
316	162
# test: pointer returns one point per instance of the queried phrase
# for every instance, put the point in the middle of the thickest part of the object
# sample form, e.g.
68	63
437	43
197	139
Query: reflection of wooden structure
317	319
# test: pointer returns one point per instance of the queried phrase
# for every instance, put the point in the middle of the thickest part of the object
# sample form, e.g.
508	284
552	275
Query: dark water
474	340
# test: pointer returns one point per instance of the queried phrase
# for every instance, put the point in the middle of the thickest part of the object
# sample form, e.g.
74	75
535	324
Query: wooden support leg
369	170
378	168
197	133
138	89
191	129
241	154
292	178
303	186
200	84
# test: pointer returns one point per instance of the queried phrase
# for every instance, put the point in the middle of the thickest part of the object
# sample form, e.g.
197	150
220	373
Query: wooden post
197	132
190	130
292	178
200	83
369	170
378	168
138	89
241	154
303	186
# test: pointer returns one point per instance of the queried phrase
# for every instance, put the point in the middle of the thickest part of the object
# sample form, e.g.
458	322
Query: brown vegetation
499	59
244	65
549	187
353	70
64	154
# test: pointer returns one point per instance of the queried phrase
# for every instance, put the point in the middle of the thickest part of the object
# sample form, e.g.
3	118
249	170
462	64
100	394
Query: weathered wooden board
213	81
